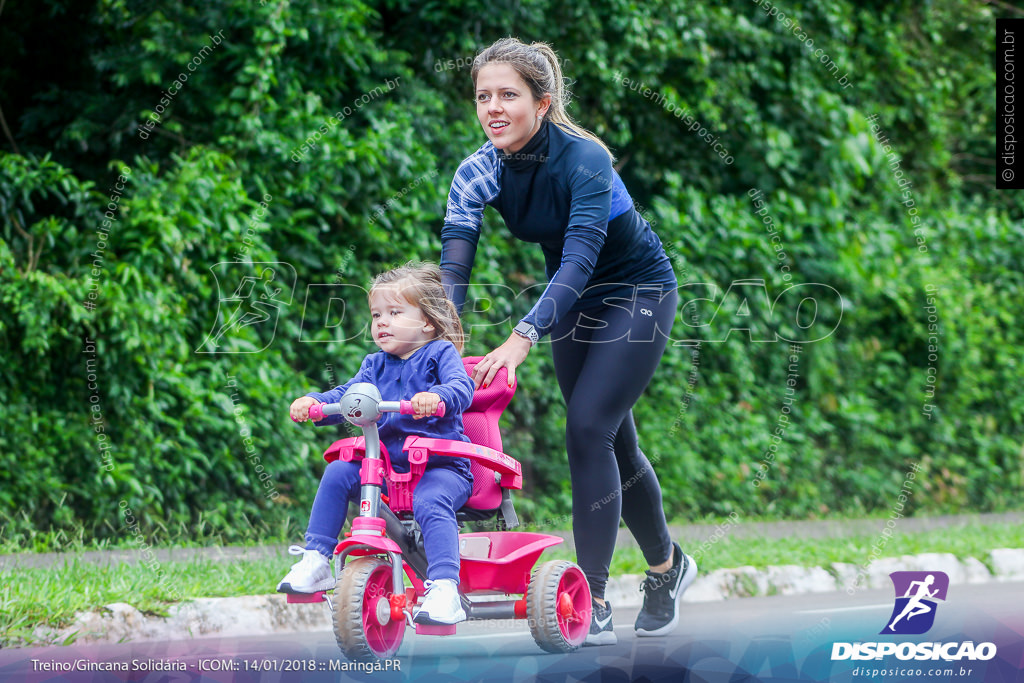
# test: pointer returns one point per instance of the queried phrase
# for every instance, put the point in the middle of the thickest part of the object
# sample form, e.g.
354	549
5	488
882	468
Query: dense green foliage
124	405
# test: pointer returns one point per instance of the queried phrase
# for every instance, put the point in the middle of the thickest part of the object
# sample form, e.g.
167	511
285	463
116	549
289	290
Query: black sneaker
601	632
660	612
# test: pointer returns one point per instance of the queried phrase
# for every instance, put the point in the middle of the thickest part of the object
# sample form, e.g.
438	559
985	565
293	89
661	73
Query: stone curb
269	614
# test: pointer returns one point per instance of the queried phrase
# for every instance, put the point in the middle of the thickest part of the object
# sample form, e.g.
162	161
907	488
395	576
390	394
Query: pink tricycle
373	605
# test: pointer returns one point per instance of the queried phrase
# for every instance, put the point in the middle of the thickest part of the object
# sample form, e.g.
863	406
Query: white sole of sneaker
602	638
325	585
684	583
426	619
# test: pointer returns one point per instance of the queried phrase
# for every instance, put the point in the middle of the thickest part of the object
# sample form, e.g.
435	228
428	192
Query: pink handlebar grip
316	412
407	409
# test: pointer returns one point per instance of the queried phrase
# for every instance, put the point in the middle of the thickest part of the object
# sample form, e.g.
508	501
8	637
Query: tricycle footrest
435	629
305	597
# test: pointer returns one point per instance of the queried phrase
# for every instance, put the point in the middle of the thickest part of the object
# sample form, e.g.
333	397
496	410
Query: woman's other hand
509	355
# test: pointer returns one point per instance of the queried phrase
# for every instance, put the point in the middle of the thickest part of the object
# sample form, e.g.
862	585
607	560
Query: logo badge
251	297
917	598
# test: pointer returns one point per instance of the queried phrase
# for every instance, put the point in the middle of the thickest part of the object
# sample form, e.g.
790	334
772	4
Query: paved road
780	638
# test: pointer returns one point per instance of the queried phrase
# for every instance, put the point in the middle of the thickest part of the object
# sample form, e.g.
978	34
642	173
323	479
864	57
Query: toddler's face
399	327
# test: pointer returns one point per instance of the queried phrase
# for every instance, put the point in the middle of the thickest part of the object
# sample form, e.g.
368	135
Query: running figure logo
247	317
917	595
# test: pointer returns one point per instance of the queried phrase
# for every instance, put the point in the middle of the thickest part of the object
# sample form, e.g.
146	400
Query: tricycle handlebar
405	408
318	411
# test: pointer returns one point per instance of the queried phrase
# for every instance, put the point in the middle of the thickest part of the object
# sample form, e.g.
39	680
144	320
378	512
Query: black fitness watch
525	329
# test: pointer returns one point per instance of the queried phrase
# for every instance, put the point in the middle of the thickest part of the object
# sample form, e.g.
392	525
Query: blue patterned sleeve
476	184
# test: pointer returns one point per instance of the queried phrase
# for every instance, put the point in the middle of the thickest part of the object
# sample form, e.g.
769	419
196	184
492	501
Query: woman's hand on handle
509	355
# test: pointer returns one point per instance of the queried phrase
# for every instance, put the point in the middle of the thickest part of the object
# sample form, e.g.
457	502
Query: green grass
18	535
51	596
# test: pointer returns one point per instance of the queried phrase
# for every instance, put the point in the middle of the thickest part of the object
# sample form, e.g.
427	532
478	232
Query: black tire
552	631
360	633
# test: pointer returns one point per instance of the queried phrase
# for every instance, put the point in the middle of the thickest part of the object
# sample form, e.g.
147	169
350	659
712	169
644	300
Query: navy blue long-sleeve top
560	191
435	367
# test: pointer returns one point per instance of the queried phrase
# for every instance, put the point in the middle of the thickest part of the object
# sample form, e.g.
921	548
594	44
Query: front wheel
362	619
558	606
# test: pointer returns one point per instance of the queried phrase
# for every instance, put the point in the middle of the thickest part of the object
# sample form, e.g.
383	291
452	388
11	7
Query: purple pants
440	492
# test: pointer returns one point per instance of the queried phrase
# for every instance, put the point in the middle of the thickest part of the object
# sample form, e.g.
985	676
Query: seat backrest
481	425
481	418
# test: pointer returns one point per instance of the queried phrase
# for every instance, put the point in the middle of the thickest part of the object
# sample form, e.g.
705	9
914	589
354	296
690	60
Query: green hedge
203	440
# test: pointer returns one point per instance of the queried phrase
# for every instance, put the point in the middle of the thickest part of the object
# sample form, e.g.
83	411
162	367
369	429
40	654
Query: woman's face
506	107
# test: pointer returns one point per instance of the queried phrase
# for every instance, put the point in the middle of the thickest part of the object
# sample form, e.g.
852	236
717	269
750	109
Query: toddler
420	338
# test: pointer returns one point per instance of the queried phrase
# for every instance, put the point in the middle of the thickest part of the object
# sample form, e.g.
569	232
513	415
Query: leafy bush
322	138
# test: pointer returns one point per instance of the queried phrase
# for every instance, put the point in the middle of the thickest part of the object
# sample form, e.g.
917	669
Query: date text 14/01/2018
273	664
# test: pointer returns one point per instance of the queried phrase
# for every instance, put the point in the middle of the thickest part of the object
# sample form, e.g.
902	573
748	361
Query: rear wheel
558	606
363	623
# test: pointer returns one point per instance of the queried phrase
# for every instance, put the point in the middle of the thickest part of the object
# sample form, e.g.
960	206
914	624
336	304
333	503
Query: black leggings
602	372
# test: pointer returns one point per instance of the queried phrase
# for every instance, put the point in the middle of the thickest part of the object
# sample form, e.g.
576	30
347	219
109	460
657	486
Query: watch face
527	330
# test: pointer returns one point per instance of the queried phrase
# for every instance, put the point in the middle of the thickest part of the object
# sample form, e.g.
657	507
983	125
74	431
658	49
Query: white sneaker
441	605
310	574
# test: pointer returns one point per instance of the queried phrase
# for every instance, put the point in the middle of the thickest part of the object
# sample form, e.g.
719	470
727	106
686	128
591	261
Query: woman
608	307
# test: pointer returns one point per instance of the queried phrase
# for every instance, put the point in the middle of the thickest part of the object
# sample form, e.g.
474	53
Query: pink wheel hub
383	634
383	611
573	606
